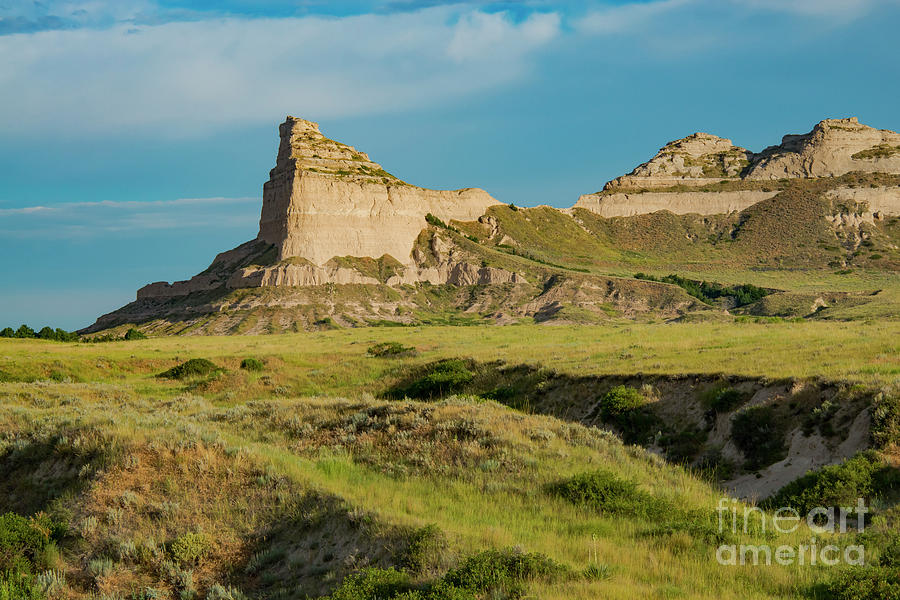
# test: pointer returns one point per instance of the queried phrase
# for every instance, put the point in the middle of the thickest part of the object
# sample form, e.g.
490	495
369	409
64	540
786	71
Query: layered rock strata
833	148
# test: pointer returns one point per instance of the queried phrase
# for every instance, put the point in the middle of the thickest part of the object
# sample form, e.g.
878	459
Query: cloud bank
183	77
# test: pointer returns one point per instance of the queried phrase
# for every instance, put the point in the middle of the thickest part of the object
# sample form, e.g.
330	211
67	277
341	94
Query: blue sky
135	136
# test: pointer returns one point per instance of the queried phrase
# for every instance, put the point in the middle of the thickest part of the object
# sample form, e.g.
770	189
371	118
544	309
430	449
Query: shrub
707	291
252	364
101	567
426	549
608	493
890	556
18	586
24	331
685	445
725	400
864	476
190	548
624	407
442	377
23	541
759	434
195	367
886	420
7	332
433	220
134	334
390	349
372	583
619	401
597	572
494	572
864	583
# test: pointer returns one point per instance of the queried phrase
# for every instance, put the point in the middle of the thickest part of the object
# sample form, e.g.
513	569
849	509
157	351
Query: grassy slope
230	471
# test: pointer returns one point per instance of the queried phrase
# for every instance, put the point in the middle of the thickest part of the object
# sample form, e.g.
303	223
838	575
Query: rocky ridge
733	178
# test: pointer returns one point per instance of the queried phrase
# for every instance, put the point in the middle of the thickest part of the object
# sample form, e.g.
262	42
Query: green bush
134	334
390	349
190	548
23	542
863	583
426	550
195	367
619	401
759	434
503	573
608	493
252	364
26	546
624	407
865	475
433	220
436	379
18	586
685	445
725	400
890	555
371	584
708	291
24	331
7	332
886	420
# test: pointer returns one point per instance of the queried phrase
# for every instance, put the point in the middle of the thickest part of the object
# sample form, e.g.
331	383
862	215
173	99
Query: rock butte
834	147
325	199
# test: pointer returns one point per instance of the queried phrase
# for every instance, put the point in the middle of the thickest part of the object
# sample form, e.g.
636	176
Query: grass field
285	481
336	362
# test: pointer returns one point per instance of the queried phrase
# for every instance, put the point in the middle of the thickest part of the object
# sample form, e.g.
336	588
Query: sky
135	135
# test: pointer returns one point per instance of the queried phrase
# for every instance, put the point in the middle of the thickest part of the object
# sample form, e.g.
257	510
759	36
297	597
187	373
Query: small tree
24	331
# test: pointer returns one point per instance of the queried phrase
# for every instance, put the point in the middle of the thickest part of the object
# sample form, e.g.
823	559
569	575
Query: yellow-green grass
336	362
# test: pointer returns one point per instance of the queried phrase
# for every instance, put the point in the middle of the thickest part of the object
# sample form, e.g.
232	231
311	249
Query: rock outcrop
699	159
834	147
729	178
326	199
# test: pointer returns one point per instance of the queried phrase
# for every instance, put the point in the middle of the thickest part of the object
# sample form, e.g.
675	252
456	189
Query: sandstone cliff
705	174
325	199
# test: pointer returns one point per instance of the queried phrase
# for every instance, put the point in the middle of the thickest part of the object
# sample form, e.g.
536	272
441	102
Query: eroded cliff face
327	204
326	199
705	174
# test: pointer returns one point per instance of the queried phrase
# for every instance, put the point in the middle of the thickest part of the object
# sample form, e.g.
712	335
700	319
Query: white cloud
190	76
86	219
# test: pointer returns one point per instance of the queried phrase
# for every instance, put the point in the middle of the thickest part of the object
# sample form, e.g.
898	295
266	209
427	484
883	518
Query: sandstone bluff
706	174
343	241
